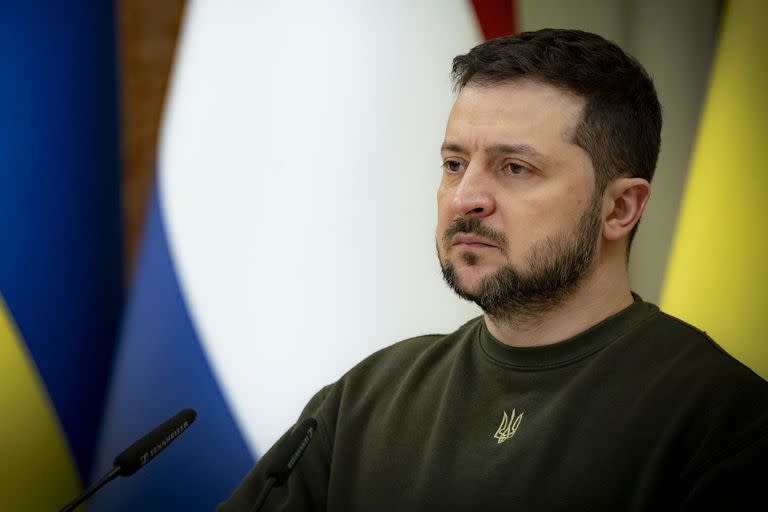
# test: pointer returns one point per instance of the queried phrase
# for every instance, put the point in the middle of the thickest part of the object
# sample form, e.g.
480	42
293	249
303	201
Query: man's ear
625	200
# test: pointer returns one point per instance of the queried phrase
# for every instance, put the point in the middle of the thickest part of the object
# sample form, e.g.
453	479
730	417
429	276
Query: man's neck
603	293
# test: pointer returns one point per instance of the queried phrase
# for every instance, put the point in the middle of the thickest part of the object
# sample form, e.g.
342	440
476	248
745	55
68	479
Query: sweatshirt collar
570	350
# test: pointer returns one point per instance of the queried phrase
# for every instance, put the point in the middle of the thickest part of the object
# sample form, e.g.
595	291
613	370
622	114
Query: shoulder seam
417	339
712	343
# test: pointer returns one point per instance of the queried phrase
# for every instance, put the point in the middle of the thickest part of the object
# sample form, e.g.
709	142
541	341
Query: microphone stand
286	457
263	495
92	489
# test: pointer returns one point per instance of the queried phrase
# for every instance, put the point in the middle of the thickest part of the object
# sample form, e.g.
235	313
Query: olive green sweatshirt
639	412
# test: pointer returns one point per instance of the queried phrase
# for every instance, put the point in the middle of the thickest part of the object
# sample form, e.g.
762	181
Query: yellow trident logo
508	427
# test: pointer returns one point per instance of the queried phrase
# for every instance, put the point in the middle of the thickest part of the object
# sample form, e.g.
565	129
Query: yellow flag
37	471
717	277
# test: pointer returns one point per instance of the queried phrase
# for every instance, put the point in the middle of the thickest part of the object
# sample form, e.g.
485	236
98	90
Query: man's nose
473	197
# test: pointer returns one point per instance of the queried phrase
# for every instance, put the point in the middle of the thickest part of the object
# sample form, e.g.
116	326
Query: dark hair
620	127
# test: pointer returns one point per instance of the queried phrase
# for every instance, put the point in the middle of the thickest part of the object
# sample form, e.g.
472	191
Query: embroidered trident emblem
508	427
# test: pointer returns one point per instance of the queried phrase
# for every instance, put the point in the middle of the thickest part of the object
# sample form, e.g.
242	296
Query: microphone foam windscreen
289	452
145	449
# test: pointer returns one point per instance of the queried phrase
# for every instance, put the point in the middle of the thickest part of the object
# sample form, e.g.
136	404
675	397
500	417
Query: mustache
472	225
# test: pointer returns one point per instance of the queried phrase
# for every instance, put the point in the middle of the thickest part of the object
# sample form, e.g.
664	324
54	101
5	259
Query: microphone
140	453
145	449
287	455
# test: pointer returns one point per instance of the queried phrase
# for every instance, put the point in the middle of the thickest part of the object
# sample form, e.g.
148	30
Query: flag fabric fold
716	277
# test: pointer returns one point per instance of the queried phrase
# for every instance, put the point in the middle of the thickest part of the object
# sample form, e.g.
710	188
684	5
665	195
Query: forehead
523	110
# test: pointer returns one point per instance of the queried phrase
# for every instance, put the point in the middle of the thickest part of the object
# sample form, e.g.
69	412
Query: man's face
518	217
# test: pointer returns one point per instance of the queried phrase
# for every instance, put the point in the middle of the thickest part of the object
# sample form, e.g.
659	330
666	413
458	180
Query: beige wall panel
604	17
674	41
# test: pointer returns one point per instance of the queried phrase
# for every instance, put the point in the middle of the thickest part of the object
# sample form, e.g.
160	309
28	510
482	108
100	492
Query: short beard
557	265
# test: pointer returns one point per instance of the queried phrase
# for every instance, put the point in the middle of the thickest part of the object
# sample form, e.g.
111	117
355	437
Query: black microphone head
289	452
145	449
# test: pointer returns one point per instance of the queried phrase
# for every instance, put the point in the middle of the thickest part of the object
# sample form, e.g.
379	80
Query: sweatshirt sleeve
306	487
735	481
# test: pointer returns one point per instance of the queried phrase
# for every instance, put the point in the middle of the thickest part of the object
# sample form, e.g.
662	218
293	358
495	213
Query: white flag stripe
299	163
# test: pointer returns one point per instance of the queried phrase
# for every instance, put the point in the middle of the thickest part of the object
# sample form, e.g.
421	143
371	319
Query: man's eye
453	166
516	169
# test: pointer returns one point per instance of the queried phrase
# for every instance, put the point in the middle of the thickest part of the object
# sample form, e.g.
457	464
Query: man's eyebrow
499	149
514	149
451	146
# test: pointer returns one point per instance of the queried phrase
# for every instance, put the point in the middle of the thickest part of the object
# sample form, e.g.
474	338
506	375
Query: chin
470	275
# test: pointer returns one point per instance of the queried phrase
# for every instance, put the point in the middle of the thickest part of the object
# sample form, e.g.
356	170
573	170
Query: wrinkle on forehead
571	125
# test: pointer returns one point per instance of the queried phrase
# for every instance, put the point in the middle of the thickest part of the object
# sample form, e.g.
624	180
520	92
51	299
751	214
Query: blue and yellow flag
60	250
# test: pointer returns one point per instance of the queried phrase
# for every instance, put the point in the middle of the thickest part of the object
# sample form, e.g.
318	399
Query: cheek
530	220
444	199
444	219
443	193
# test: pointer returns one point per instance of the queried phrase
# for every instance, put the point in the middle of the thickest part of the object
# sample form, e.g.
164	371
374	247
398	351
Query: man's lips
471	241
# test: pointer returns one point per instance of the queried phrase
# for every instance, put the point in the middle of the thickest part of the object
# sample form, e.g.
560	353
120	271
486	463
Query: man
570	393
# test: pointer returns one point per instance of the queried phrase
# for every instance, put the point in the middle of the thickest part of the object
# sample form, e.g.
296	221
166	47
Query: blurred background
225	205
